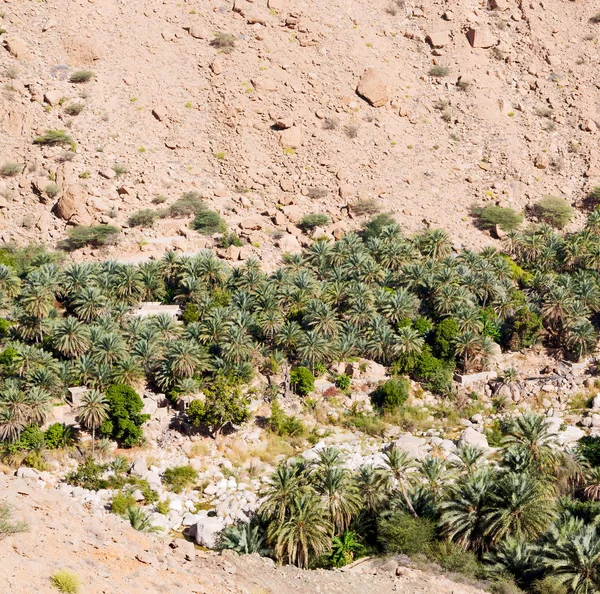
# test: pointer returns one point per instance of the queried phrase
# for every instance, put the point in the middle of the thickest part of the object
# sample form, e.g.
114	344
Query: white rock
471	436
205	531
416	447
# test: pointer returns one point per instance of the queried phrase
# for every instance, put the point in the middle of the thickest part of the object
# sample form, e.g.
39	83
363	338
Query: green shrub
74	108
35	460
364	206
179	478
59	435
555	211
372	425
310	221
302	380
121	502
550	585
505	218
209	222
230	239
52	190
439	71
143	218
88	475
589	447
95	236
65	581
81	76
525	330
400	532
190	203
443	339
505	585
377	224
53	138
119	169
343	381
454	558
191	314
391	395
10	169
124	423
435	374
225	42
163	507
284	425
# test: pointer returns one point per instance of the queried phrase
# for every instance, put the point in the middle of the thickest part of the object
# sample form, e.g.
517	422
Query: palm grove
410	303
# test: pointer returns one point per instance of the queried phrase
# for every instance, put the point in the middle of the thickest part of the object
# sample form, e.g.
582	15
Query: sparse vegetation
310	221
179	478
10	169
81	76
74	108
555	211
95	236
365	206
190	203
143	218
224	42
330	123
8	526
439	71
53	138
351	130
52	190
491	216
209	222
66	581
119	169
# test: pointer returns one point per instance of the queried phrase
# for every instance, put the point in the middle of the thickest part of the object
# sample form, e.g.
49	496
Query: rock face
205	532
472	437
372	88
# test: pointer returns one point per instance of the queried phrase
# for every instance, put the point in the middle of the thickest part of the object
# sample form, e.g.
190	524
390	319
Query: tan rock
252	223
480	37
17	47
53	97
347	191
438	38
542	161
289	243
216	66
160	112
71	203
372	88
277	5
590	126
50	24
293	213
198	32
290	138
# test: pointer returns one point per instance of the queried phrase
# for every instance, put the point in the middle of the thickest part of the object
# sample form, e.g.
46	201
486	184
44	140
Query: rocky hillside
255	106
109	556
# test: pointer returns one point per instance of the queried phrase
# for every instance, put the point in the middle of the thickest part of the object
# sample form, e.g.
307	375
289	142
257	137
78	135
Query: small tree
302	381
224	405
93	412
392	394
124	423
554	211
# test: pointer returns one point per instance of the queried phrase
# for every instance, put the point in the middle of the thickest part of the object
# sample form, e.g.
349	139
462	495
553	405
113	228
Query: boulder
291	138
17	47
53	97
28	473
71	203
438	39
205	532
372	88
596	402
415	447
472	437
480	37
289	243
570	435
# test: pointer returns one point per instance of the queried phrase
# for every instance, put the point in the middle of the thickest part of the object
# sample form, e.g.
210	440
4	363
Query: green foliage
54	137
284	425
10	169
209	222
444	336
310	221
505	218
74	108
52	190
302	381
439	71
8	526
124	423
225	42
81	76
121	502
555	211
179	478
454	558
96	236
88	475
550	585
345	549
401	533
66	581
143	218
343	381
191	314
190	203
163	507
377	224
243	538
589	447
224	405
391	395
435	374
230	239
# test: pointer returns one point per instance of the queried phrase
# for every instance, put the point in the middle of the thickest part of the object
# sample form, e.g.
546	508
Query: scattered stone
205	532
481	38
53	98
372	88
472	437
17	47
438	39
291	138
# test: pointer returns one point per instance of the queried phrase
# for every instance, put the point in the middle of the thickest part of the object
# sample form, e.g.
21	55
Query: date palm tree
313	347
284	486
92	412
400	468
11	424
304	535
71	337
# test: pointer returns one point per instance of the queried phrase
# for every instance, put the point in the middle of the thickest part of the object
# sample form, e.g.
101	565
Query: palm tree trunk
93	439
408	501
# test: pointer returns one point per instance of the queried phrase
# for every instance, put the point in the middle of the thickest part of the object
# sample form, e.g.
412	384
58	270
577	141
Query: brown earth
110	558
275	128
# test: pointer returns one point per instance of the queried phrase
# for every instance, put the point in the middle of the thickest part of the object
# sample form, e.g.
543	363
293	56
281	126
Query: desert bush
351	130
225	42
52	190
190	203
302	380
163	507
315	192
365	206
594	195
595	18
74	108
119	169
179	478
284	425
550	585
439	71
66	581
504	585
121	502
8	526
95	236
59	435
81	76
310	221
143	218
10	169
343	381
505	218
391	395
53	138
454	558
330	123
589	449
377	224
160	199
554	211
399	532
208	222
88	475
229	239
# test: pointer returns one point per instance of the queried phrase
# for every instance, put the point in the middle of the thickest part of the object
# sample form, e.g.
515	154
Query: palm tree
244	539
576	561
40	405
581	337
284	487
313	347
37	301
464	511
345	548
469	458
372	483
183	358
11	425
92	412
89	303
304	535
399	466
517	556
140	519
518	506
592	487
71	337
339	495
